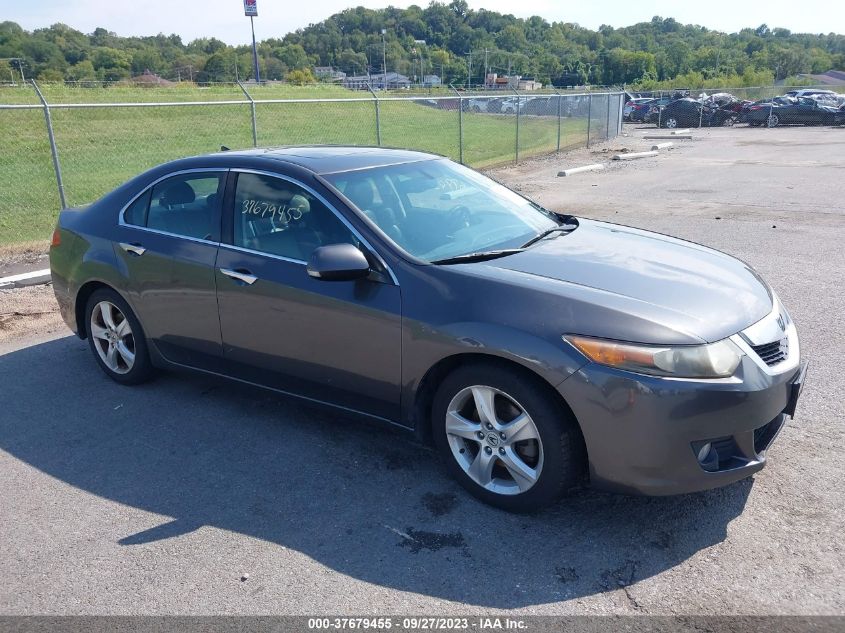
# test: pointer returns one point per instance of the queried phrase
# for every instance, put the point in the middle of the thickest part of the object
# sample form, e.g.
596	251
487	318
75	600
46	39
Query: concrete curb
634	155
34	278
658	146
676	132
578	170
666	137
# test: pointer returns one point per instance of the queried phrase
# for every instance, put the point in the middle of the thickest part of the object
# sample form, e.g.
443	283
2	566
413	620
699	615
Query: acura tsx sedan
535	350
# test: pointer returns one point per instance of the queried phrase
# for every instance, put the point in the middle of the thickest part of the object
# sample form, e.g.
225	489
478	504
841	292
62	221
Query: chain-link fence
57	148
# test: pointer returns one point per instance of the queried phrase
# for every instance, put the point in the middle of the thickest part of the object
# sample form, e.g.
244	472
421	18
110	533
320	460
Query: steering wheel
460	215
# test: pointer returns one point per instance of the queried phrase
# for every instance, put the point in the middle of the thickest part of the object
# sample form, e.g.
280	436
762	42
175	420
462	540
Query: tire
523	476
670	123
117	340
772	120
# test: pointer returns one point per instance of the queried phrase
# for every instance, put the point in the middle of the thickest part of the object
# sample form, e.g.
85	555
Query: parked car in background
693	113
808	92
656	107
629	106
534	350
802	110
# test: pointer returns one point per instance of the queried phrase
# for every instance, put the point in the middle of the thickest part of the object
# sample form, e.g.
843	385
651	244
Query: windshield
438	209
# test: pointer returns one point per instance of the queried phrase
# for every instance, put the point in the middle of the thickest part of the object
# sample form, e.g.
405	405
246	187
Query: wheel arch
424	395
81	301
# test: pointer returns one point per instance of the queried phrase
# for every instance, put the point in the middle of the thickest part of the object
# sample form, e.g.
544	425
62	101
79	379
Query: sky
224	19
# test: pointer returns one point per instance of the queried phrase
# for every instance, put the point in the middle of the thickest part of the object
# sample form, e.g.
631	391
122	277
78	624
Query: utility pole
486	68
383	60
254	51
251	11
469	72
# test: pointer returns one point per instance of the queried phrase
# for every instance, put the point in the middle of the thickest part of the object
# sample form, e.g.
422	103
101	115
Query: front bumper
643	434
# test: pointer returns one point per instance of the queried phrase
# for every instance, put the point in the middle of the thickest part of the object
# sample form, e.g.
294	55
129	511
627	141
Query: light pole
251	11
383	60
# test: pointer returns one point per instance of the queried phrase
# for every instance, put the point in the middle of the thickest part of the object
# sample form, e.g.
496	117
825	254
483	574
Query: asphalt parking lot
189	495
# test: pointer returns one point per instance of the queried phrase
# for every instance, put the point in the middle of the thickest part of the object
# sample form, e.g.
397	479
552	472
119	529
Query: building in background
327	73
432	81
392	81
494	81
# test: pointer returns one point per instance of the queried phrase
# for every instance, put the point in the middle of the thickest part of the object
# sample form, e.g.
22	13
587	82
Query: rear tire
772	120
116	338
670	122
524	455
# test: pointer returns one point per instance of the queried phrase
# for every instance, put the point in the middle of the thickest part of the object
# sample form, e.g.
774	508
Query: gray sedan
535	350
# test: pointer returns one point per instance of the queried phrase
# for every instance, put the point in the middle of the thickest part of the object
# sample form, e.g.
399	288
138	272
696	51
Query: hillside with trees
459	43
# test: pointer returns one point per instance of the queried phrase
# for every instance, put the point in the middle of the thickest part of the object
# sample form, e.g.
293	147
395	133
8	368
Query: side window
278	217
136	213
184	205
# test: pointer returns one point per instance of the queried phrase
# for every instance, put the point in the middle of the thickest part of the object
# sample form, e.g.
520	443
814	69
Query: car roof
327	159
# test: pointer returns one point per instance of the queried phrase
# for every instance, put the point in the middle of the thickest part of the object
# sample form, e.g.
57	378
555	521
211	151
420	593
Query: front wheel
506	439
116	338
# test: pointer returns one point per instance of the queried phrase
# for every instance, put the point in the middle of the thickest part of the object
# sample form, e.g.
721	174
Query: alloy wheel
773	120
494	440
671	122
112	336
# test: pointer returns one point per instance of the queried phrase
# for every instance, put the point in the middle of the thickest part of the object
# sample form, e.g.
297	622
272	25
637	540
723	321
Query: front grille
772	353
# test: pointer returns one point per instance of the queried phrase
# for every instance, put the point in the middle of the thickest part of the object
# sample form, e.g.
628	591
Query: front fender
425	347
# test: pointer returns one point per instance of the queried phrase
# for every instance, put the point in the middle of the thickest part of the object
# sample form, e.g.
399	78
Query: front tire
116	338
506	439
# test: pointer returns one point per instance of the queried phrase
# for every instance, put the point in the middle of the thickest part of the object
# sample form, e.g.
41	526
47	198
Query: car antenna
223	148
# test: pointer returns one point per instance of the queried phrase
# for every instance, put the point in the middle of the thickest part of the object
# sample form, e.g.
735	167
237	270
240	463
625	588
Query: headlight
716	360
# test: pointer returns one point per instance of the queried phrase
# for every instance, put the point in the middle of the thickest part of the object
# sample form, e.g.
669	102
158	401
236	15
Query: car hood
683	286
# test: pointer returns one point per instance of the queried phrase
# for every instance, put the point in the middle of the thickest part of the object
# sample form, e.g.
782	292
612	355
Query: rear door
333	341
168	241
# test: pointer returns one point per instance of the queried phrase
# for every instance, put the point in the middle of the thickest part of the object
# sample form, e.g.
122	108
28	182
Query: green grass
99	148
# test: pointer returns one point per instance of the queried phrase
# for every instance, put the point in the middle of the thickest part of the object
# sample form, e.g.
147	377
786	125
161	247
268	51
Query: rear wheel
116	338
772	120
670	122
505	439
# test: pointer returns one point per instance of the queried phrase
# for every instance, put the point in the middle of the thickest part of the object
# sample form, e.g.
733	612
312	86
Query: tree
300	77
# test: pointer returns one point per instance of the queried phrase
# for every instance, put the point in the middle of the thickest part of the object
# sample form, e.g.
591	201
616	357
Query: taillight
756	108
57	239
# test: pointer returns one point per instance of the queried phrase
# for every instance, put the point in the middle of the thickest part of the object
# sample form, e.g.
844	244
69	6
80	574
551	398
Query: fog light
704	453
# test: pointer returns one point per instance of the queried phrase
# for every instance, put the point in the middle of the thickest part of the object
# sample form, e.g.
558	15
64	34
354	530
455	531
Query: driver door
333	341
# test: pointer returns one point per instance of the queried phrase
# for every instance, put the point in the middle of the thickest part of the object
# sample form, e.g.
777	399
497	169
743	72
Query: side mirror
338	262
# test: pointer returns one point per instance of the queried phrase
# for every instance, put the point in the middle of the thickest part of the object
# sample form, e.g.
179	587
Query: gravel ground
162	498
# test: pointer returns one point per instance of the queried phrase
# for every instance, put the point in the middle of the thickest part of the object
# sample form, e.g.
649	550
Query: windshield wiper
478	257
566	228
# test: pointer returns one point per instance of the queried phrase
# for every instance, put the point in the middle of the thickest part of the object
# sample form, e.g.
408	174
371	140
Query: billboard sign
250	8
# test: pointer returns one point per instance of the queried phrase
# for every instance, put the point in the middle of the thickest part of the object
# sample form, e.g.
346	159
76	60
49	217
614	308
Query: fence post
659	110
254	122
460	124
559	98
517	123
607	128
378	114
55	152
589	116
621	114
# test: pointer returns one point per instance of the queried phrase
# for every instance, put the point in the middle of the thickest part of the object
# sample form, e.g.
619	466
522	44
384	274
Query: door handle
133	249
241	276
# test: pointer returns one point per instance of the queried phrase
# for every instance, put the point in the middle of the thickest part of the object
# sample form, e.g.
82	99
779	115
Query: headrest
178	193
301	203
